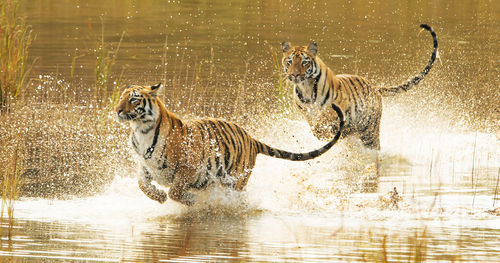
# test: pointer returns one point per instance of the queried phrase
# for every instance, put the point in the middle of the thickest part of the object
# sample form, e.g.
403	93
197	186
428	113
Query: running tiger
316	87
187	155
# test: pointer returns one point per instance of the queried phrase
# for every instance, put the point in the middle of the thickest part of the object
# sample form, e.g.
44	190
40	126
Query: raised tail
268	150
408	85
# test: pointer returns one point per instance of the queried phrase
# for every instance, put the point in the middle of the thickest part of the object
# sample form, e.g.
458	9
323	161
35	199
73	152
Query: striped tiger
316	87
186	155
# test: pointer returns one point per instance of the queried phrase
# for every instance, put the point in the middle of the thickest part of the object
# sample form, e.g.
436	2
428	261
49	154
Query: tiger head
138	103
299	61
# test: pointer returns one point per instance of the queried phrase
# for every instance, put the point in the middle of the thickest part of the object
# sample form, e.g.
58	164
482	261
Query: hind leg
371	137
371	140
242	175
179	191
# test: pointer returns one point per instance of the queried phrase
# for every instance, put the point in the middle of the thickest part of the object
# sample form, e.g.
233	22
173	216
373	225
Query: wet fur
185	155
316	87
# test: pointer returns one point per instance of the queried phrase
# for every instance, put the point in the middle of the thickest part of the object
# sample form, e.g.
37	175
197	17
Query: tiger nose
118	111
295	74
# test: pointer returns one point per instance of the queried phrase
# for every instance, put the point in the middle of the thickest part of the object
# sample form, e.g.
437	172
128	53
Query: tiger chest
309	109
162	164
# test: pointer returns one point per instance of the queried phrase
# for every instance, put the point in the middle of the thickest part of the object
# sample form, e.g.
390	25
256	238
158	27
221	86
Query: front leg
179	190
149	189
326	125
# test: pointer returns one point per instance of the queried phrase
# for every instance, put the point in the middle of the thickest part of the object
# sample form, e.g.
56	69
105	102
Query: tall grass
15	40
283	92
10	185
106	57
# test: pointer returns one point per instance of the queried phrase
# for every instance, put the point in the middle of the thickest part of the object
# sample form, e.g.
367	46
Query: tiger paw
189	199
162	197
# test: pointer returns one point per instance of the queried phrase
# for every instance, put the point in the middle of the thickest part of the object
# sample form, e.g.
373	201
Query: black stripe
260	147
354	87
300	95
224	142
151	148
326	98
202	135
163	152
148	129
164	165
358	100
210	151
230	138
234	139
134	143
284	154
219	172
347	87
324	82
315	87
361	84
217	141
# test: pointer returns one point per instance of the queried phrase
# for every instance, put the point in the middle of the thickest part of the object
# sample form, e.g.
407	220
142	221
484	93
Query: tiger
187	155
316	87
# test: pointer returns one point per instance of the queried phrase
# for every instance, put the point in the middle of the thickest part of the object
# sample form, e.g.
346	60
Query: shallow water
440	141
290	212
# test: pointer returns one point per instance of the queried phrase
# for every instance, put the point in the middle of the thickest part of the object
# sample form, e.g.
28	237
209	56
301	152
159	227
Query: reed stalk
474	161
280	87
496	188
11	186
15	39
73	65
164	62
105	60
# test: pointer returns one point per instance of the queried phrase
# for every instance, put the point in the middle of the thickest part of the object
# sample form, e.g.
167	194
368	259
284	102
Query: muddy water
440	145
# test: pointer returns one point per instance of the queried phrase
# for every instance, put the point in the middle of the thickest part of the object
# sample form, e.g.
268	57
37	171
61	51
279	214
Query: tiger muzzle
296	77
122	116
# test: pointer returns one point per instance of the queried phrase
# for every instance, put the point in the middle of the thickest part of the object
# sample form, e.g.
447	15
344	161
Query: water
440	141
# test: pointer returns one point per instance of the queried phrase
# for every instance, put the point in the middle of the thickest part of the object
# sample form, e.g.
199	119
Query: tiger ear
155	88
286	46
313	48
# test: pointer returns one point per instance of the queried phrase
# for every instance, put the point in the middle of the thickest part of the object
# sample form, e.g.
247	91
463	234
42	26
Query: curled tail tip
426	26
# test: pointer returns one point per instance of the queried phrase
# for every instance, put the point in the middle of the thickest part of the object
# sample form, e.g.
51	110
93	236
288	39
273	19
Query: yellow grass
15	40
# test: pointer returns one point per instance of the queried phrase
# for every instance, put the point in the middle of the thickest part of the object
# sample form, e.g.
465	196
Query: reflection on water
265	237
440	145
